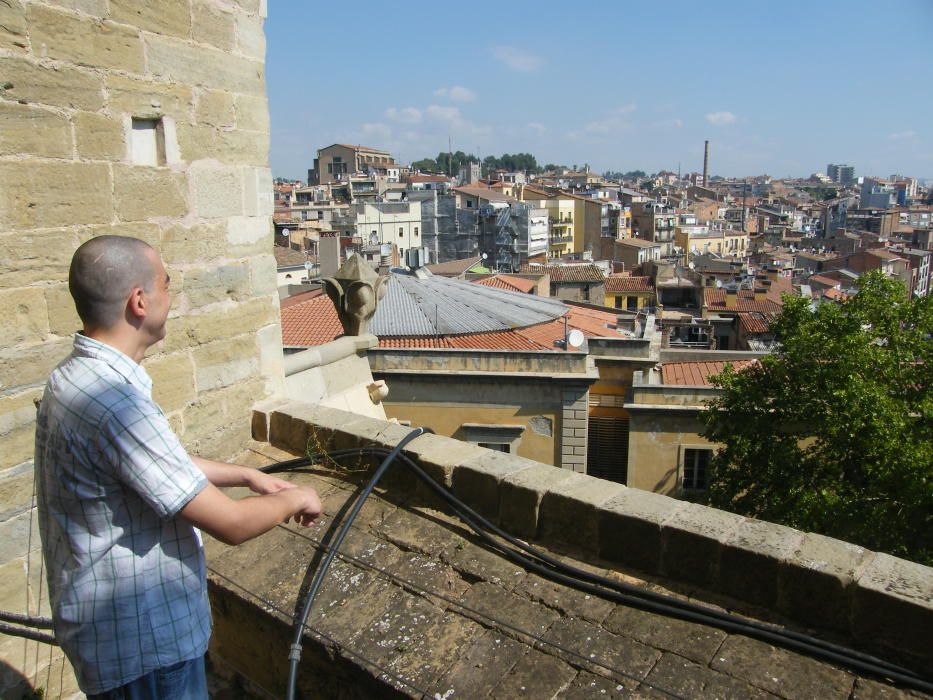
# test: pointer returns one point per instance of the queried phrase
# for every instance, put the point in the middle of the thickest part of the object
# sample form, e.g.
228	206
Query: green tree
833	432
425	165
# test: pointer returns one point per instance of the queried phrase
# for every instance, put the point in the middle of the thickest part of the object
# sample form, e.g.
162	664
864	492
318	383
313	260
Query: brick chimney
732	298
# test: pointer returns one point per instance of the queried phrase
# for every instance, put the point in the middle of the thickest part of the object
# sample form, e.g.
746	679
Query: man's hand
307	504
262	483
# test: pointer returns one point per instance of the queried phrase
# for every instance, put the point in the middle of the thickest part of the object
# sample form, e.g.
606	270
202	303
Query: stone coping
876	601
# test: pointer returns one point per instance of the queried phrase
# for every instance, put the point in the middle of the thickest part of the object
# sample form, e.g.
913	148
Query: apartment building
337	162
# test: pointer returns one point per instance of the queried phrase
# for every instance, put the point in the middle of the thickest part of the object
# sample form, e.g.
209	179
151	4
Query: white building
395	223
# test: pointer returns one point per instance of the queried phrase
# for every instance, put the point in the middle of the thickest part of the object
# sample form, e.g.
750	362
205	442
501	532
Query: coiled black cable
620	592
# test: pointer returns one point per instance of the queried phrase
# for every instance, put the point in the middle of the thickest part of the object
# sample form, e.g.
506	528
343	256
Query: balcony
559	240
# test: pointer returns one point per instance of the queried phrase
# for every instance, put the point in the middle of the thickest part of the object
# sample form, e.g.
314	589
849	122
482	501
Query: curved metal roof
430	306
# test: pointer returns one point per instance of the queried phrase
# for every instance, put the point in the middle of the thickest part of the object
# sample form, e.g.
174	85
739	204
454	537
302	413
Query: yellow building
629	293
697	240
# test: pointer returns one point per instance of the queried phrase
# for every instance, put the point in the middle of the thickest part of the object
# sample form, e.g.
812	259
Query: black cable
630	595
42	623
27	633
294	654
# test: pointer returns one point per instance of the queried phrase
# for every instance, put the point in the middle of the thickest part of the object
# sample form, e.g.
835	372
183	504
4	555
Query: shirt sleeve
147	456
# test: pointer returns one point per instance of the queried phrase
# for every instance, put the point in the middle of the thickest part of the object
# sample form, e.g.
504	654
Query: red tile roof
629	284
697	373
568	273
454	267
754	322
508	282
715	299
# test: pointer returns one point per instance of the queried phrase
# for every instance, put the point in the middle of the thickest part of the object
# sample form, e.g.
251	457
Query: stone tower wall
76	79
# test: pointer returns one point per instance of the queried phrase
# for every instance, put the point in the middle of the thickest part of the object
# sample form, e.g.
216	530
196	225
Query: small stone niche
147	144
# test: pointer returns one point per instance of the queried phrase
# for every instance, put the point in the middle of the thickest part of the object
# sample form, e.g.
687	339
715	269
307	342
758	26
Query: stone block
252	6
216	191
684	679
752	559
59	86
212	25
815	581
200	243
250	37
16	490
13	25
50	194
36	256
439	455
63	318
271	361
252	113
20	367
224	363
244	147
249	235
569	512
630	528
204	286
169	17
521	497
147	99
692	541
15	535
535	675
24	317
17	428
215	323
215	108
142	192
83	40
262	411
172	380
150	233
892	605
262	274
478	480
218	423
95	8
98	137
486	601
488	658
203	67
602	651
33	131
258	198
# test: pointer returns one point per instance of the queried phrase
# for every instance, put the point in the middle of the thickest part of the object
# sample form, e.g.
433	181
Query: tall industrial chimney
705	163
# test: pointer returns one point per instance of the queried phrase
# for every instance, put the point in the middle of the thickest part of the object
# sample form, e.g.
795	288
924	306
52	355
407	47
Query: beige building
393	223
338	162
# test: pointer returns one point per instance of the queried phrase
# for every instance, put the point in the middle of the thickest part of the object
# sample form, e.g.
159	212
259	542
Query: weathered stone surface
488	658
172	380
200	66
477	481
98	137
58	86
31	364
630	527
26	130
204	286
23	316
262	275
216	322
201	243
170	17
20	532
35	256
252	113
84	41
692	541
17	427
12	25
142	192
477	563
258	199
567	600
693	641
216	191
535	675
873	690
147	99
588	685
225	362
577	500
222	411
676	675
752	558
215	108
814	583
781	672
250	38
212	25
63	318
95	8
50	194
592	648
15	490
521	497
893	604
486	603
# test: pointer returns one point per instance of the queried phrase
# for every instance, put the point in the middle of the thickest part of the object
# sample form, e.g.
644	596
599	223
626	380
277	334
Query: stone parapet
878	602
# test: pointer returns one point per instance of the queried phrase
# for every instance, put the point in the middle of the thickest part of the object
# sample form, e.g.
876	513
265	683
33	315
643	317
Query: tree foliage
833	433
517	162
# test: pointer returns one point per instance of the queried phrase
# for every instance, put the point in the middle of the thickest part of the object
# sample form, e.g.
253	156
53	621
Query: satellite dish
484	256
308	265
385	249
575	338
285	232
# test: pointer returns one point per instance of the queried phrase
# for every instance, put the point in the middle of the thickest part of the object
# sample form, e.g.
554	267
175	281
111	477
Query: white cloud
537	127
406	115
669	124
517	59
376	130
721	118
457	93
901	135
443	114
625	109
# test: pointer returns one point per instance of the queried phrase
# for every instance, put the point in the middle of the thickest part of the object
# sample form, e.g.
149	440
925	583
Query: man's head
118	281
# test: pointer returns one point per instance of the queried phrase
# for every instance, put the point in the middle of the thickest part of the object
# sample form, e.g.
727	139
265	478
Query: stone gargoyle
355	291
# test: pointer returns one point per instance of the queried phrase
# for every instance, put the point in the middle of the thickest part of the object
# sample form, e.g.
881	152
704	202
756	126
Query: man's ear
136	305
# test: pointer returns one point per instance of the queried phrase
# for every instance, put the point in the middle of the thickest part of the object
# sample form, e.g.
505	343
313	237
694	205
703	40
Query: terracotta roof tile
754	322
568	273
508	282
697	373
454	267
715	299
629	284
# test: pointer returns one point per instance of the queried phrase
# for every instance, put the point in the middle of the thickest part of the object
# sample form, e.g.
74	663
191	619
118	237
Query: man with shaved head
120	500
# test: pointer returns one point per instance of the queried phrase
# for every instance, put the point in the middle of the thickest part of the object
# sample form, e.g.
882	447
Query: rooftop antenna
705	163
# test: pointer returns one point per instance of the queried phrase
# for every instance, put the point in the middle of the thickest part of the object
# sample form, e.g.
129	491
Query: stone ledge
883	603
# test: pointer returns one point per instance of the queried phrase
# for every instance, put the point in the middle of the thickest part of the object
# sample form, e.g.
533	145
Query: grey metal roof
433	305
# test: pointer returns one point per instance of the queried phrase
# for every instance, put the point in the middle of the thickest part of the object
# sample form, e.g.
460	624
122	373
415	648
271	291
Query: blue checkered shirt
126	577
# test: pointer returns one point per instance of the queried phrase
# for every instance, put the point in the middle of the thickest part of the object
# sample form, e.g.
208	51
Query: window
401	231
416	230
502	438
618	302
498	446
695	468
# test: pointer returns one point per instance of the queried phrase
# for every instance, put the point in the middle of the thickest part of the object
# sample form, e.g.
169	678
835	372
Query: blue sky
777	88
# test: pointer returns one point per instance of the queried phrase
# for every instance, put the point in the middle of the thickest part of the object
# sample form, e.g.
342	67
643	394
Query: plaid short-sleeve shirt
126	577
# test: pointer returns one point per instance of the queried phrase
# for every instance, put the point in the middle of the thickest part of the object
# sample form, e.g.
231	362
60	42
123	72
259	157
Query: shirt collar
122	364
